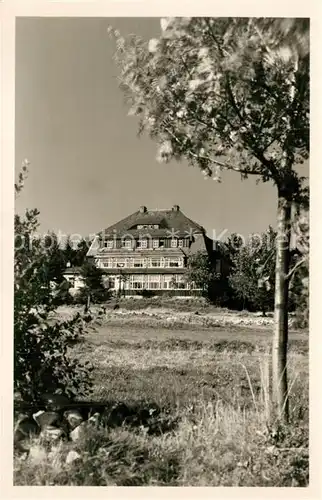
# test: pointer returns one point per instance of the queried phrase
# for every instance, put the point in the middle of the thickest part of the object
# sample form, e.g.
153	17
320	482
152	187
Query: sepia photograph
161	251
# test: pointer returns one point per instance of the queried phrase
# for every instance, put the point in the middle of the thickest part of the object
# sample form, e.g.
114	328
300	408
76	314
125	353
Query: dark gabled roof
171	220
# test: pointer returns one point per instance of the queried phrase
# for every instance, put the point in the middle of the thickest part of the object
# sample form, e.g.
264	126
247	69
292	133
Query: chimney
143	209
175	208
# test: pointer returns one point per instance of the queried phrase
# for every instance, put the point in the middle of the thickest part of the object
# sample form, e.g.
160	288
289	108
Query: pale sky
88	168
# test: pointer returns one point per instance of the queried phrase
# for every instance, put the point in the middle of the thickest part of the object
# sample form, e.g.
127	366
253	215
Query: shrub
42	360
94	286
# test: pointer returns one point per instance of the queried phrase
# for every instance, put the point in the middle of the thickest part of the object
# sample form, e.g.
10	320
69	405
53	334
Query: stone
78	432
51	433
37	454
94	419
36	415
74	418
46	418
25	427
72	457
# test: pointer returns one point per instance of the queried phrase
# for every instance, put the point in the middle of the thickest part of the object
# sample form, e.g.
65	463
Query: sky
88	169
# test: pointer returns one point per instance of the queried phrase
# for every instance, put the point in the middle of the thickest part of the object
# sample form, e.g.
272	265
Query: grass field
212	383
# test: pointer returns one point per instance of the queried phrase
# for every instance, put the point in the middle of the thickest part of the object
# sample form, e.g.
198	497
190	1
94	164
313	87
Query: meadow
209	374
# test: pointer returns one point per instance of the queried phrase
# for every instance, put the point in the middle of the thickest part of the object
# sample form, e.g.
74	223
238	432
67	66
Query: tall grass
217	393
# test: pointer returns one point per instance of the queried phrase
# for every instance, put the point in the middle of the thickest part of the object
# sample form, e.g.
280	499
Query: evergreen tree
94	289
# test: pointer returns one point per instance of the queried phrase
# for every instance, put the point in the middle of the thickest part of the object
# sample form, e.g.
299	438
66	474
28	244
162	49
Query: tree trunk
280	339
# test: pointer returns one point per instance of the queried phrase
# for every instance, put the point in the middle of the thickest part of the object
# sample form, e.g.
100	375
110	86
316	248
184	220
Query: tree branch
210	159
297	265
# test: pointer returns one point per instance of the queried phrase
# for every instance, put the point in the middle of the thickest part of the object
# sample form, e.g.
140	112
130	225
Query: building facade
148	251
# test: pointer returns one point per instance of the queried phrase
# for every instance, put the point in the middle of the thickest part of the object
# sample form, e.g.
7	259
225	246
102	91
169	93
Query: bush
42	360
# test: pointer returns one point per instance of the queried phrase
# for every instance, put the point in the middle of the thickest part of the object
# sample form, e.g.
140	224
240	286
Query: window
180	243
71	280
218	266
106	263
180	282
137	285
154	285
161	243
173	263
142	243
155	243
111	283
174	243
165	284
156	226
155	263
109	244
138	263
127	244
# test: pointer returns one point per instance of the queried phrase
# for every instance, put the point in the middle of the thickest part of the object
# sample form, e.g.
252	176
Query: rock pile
56	418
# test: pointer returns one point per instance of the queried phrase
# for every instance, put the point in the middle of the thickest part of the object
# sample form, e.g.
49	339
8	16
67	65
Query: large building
148	250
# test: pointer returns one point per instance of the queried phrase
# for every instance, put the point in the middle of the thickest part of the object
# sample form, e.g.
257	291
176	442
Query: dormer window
109	244
127	244
147	226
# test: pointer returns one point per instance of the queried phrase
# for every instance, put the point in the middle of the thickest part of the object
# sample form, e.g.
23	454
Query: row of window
145	263
142	282
143	243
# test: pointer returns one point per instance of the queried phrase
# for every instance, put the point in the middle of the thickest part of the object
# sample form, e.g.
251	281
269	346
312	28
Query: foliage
93	284
202	274
55	257
80	253
75	252
42	361
299	274
216	92
252	275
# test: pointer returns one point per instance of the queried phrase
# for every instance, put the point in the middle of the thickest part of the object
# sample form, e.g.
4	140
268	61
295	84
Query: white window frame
155	243
109	244
127	243
174	243
180	243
